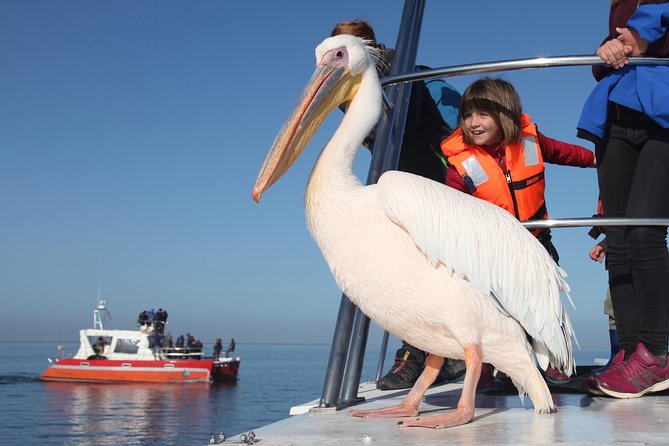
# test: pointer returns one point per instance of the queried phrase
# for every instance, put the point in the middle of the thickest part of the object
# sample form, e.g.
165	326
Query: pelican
451	274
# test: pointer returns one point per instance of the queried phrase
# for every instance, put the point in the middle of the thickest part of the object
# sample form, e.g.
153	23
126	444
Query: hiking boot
488	382
450	371
639	375
556	376
408	365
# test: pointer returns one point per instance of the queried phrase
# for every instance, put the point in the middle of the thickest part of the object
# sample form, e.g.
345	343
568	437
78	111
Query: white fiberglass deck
500	419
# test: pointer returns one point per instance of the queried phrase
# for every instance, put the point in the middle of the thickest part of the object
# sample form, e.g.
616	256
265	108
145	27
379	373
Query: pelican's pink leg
465	411
410	403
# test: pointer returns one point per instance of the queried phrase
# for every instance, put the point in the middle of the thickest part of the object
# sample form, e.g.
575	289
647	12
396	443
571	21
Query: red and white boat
135	356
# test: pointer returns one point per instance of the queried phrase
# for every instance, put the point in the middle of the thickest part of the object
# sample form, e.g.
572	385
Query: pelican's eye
336	57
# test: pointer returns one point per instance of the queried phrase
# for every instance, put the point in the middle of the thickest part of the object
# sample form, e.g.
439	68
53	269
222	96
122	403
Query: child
497	154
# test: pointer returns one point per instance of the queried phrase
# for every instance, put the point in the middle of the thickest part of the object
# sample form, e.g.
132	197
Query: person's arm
565	154
647	24
598	252
454	180
650	22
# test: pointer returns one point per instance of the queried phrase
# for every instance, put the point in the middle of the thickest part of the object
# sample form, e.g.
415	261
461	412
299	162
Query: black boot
451	370
409	363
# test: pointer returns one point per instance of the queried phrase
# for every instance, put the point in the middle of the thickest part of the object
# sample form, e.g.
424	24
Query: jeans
633	174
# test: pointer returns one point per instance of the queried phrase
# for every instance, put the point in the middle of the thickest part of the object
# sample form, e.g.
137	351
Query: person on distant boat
218	348
231	347
99	347
159	320
180	341
143	319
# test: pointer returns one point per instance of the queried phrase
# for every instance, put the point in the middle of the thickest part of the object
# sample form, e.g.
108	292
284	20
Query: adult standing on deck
627	117
218	348
231	347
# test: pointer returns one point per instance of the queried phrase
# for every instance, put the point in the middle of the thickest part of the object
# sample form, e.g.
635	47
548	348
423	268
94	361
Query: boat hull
159	371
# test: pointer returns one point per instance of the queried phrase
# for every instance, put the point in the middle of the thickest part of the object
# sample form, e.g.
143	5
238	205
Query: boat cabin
129	345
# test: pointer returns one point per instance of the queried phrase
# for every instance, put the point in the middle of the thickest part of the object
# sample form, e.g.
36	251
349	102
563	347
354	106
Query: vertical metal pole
385	156
382	356
390	130
355	360
340	342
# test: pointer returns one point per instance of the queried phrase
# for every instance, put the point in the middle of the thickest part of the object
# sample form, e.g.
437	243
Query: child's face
482	127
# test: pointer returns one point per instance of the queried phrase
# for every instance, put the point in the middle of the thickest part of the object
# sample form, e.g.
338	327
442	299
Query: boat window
94	339
130	346
169	366
126	364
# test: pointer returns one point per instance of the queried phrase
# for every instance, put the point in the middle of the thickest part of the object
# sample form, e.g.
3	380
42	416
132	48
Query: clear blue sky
131	133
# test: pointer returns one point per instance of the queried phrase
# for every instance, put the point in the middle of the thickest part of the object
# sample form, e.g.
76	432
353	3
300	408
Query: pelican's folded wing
487	246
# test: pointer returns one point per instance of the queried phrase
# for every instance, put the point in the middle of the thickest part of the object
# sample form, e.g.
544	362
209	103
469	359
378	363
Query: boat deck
500	418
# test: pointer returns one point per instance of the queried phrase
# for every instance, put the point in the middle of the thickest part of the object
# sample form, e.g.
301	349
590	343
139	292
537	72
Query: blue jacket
644	88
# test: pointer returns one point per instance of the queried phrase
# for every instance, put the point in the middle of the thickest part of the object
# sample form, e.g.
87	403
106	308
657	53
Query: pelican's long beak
330	86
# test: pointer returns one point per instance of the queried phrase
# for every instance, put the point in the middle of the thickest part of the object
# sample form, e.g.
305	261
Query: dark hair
357	27
501	100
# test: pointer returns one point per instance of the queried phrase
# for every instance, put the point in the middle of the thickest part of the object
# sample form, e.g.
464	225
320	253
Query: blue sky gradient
131	133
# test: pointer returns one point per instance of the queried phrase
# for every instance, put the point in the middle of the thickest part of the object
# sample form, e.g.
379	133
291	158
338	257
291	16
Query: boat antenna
101	314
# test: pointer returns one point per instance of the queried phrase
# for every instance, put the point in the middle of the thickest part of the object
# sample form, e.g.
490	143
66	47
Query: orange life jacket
519	190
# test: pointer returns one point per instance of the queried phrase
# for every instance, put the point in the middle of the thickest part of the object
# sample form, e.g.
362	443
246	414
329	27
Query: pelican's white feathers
488	247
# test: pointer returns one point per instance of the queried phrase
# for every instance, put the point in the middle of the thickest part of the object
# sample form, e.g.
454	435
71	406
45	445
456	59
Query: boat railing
180	352
340	388
510	65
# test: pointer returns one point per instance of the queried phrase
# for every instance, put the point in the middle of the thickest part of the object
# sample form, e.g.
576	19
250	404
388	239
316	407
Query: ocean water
272	378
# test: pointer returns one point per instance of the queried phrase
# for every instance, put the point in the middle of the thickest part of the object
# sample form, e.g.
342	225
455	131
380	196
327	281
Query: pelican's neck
335	163
330	197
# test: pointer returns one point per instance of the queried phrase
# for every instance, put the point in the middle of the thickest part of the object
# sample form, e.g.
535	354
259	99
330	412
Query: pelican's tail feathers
533	384
541	353
545	358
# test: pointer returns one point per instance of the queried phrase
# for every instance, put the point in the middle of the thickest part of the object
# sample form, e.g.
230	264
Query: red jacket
552	150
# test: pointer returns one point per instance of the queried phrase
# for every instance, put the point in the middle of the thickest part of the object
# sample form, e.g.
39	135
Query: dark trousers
633	173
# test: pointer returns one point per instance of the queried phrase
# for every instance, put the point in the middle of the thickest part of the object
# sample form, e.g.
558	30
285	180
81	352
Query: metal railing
180	352
510	65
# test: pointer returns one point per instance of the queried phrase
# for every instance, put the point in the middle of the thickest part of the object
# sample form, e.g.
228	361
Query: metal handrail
506	65
510	65
594	221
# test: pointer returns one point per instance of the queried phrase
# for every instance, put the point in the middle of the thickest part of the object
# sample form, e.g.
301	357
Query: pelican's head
340	64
